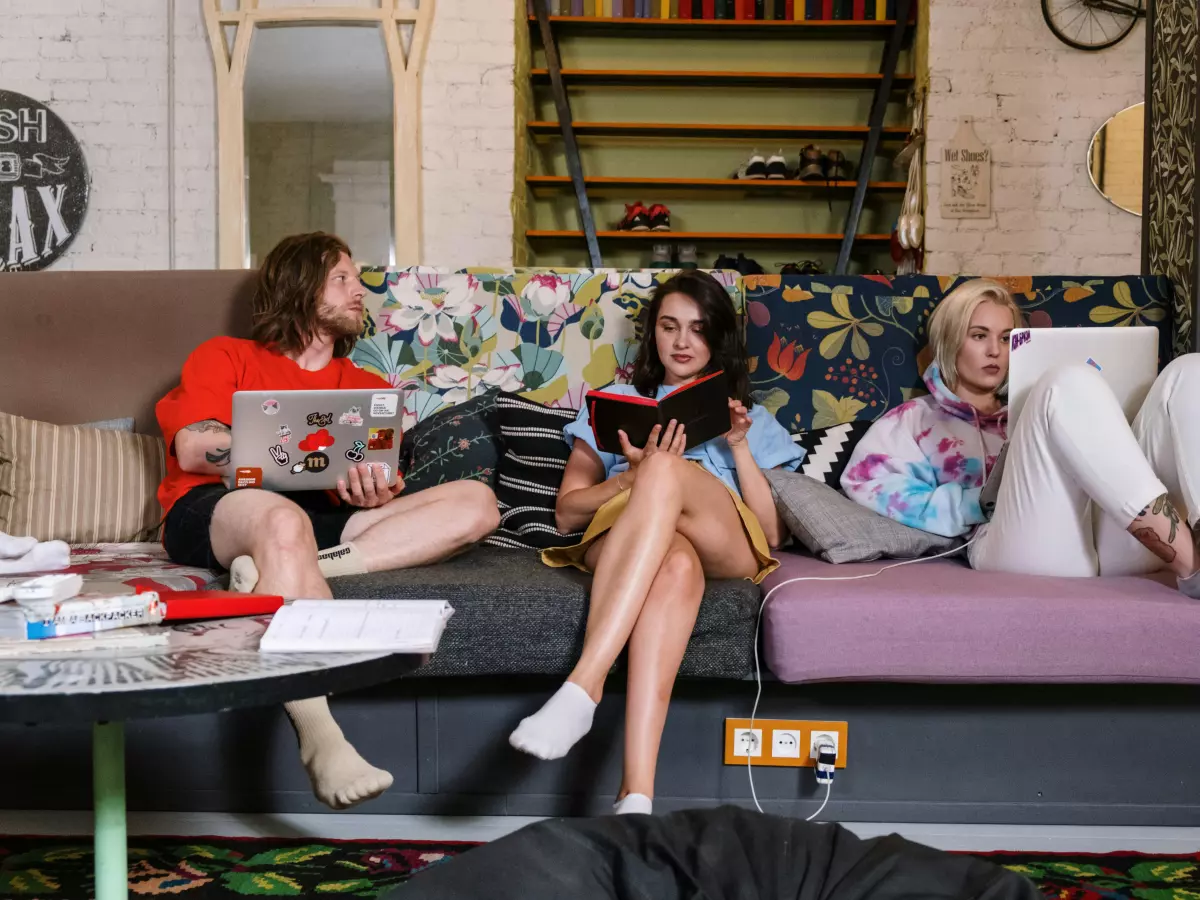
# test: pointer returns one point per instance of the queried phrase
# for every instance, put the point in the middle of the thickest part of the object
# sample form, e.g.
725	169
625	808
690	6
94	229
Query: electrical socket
822	737
747	742
785	743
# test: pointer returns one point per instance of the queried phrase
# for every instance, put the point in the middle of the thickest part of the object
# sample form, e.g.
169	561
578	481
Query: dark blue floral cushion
828	349
461	442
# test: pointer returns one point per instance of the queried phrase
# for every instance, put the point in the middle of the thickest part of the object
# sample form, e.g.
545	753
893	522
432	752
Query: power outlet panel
781	742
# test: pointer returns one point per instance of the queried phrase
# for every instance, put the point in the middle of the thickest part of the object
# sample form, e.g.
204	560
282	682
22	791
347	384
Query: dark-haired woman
659	521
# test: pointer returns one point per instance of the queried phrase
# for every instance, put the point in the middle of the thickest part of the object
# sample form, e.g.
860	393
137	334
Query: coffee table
203	667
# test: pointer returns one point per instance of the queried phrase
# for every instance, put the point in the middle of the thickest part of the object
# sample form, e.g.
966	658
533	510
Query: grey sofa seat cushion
515	616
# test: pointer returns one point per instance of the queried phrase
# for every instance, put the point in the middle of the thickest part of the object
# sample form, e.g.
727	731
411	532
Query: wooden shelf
678	130
747	237
717	78
819	29
601	184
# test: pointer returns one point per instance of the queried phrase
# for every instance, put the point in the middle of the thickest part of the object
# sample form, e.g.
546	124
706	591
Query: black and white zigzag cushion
827	450
533	458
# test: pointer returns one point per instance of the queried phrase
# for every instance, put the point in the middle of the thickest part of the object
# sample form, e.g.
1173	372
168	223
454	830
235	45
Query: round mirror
1115	158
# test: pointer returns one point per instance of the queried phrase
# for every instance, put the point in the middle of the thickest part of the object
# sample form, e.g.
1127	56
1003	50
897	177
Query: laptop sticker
285	434
355	453
298	468
271	407
318	440
380	438
1020	340
1095	365
279	455
385	471
320	420
352	417
247	477
316	462
383	406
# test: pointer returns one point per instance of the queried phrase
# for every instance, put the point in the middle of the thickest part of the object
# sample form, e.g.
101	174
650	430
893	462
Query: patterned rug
227	868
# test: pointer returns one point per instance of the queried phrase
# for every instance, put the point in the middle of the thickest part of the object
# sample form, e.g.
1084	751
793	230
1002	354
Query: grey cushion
515	616
838	530
123	424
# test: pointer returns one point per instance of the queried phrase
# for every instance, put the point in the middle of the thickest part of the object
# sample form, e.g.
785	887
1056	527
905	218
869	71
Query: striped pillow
77	484
534	455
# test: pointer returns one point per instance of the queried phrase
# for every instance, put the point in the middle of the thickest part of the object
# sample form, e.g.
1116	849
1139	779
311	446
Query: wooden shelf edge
548	181
707	236
717	74
665	129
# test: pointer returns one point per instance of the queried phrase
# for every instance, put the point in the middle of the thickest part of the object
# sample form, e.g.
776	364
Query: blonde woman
924	463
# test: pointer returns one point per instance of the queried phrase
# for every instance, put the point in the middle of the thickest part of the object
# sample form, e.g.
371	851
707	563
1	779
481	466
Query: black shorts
186	536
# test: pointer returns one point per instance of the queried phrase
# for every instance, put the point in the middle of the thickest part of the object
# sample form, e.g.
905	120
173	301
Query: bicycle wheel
1091	24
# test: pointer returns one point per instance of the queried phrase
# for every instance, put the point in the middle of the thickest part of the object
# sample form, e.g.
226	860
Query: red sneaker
637	218
660	218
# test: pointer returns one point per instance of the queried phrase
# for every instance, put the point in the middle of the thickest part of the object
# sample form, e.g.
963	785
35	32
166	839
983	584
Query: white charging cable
821	770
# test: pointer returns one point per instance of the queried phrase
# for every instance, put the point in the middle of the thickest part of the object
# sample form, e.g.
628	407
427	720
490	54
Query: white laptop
308	440
1127	358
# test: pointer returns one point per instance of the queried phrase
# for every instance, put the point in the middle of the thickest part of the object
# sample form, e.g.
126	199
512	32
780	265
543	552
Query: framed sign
966	176
43	184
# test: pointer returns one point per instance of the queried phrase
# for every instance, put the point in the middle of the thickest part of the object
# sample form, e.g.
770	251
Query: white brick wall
102	67
1035	103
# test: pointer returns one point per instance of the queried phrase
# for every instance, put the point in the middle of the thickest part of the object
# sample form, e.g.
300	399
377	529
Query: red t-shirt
212	373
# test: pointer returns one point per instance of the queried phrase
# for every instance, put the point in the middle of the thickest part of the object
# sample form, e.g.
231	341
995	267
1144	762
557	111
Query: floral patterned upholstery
134	565
550	335
827	349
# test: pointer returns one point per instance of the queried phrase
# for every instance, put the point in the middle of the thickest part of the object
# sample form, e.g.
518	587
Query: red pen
215	604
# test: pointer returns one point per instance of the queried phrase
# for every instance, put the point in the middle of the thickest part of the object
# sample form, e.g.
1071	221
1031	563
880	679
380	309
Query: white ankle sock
555	728
15	547
340	777
344	559
243	575
46	556
634	803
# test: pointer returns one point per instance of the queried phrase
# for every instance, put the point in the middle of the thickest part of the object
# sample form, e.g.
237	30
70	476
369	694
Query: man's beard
336	325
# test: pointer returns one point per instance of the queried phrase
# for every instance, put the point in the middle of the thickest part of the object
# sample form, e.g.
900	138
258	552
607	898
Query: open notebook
331	626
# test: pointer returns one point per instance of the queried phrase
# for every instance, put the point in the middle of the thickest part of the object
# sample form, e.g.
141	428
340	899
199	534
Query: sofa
970	697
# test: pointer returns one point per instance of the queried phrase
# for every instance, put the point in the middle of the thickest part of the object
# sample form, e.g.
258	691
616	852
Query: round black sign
43	184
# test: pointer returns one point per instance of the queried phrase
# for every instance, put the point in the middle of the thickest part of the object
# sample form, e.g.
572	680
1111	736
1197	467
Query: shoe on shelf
687	256
806	267
812	164
637	218
777	167
837	167
660	218
660	257
742	264
753	169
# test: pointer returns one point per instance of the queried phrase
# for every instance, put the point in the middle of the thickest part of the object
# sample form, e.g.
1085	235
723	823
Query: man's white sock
344	559
47	556
15	547
555	728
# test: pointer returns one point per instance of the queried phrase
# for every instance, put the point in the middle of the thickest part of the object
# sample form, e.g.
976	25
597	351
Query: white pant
1077	475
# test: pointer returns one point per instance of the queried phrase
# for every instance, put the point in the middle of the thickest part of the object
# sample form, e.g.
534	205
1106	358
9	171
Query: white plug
826	762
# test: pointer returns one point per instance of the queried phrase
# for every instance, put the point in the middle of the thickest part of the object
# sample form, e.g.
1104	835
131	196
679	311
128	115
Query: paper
332	626
966	176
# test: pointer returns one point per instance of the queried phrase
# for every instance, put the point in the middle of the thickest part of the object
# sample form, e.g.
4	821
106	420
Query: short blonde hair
952	317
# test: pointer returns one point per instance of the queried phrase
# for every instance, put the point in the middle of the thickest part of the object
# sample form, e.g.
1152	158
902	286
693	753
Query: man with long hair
308	312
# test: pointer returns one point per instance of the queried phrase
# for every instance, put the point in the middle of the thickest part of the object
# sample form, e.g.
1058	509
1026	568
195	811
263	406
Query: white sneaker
753	169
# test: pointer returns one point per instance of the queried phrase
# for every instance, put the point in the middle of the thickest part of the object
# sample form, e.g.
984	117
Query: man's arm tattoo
209	425
219	458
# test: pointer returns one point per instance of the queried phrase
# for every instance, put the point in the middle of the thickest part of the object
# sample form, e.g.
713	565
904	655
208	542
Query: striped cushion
531	469
77	484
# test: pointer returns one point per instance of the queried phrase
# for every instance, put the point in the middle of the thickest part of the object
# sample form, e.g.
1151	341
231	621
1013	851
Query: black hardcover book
702	407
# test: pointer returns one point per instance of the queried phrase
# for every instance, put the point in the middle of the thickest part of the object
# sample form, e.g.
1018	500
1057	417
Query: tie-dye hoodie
924	462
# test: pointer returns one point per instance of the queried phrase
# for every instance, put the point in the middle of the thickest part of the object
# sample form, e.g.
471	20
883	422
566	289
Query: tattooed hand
204	448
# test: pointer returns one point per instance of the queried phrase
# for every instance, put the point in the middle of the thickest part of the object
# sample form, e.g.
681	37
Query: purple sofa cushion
940	621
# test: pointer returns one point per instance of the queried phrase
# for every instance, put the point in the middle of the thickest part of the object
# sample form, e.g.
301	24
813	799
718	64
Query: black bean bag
716	854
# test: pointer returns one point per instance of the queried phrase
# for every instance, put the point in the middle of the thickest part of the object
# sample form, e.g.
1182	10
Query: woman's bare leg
669	493
656	649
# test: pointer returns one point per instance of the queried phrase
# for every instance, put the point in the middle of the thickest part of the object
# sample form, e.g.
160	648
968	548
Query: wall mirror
319	124
318	127
1115	158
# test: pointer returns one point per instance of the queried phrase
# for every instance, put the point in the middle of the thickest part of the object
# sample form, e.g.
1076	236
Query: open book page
330	626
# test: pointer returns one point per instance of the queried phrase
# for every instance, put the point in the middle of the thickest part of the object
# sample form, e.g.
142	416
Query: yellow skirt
607	515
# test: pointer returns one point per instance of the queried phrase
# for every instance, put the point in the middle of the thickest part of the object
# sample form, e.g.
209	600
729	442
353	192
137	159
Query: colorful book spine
858	10
871	5
826	10
791	9
708	9
760	10
577	7
618	8
880	10
843	10
891	9
685	9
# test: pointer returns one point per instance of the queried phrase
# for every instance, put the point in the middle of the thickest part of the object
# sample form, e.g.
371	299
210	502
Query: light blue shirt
770	444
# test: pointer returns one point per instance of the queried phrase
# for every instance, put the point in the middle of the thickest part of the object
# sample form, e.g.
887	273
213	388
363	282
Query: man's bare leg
406	532
277	535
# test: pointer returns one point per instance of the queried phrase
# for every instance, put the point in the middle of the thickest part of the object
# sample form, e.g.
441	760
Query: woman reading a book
660	519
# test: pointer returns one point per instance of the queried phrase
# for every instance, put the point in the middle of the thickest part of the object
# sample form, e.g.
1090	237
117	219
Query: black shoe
753	169
660	218
812	164
777	169
636	218
807	267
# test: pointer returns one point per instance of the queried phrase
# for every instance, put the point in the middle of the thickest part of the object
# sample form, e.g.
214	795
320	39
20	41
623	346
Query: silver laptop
308	440
1127	358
